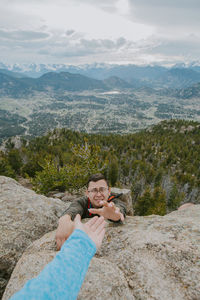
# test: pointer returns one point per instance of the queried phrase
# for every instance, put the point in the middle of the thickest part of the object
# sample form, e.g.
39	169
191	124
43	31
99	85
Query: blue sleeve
63	276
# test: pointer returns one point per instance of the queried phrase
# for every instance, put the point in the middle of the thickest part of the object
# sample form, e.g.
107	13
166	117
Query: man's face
98	191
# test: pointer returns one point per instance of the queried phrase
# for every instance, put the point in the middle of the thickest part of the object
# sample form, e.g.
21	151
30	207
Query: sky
79	32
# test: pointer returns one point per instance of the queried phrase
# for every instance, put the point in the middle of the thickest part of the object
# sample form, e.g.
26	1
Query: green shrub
72	176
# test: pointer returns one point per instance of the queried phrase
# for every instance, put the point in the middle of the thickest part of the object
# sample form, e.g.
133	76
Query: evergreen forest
161	164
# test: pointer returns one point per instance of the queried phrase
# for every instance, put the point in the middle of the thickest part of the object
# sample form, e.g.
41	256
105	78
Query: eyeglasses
101	190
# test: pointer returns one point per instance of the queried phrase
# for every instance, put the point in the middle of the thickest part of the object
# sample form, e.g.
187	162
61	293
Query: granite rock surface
24	217
145	258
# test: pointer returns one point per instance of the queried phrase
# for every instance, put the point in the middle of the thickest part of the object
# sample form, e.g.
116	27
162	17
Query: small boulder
126	198
58	195
69	197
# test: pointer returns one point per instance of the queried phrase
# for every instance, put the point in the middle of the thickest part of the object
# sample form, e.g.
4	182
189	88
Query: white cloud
114	30
92	21
22	35
182	15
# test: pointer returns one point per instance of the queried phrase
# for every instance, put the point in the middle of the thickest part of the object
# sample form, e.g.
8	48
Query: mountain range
97	70
12	85
179	82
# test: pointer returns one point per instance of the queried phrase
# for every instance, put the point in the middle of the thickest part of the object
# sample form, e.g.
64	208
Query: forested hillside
161	165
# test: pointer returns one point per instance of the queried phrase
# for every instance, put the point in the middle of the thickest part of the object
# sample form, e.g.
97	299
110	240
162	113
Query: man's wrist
66	221
116	218
120	218
65	218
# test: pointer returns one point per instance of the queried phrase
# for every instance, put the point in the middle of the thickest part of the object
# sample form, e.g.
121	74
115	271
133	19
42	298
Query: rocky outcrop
65	197
126	198
24	217
150	257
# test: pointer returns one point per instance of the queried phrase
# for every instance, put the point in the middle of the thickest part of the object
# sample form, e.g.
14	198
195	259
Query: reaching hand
94	228
108	211
65	228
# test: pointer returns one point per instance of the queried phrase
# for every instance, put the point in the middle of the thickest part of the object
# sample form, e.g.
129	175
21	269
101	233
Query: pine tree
144	203
113	171
175	198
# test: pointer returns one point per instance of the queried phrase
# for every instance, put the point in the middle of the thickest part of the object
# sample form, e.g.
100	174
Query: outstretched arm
62	278
108	211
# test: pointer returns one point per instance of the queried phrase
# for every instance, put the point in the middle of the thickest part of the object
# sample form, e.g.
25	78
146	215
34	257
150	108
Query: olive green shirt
82	205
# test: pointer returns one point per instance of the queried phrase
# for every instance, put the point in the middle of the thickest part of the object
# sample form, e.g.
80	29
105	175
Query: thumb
122	217
95	211
77	220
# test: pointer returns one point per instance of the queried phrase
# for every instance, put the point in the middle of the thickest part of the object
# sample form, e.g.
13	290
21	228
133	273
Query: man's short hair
96	177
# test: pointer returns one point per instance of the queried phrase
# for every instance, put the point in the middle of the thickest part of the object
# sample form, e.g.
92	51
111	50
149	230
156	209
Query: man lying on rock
98	201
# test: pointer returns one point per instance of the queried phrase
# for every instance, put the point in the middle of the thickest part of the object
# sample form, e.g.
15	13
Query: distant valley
117	104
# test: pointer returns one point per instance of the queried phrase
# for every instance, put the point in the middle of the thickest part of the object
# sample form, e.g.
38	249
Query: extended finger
112	205
122	217
77	218
100	227
100	222
92	221
97	223
104	203
117	210
101	234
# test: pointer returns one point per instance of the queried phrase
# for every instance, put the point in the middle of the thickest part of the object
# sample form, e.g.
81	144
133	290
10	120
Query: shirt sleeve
76	207
63	276
121	205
